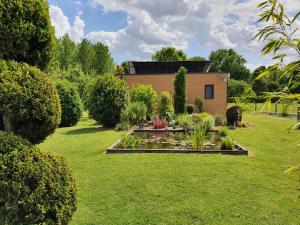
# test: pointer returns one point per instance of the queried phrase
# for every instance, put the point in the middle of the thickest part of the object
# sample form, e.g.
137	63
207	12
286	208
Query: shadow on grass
85	130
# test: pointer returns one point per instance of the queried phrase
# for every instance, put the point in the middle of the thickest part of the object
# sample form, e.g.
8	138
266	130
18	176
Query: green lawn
184	189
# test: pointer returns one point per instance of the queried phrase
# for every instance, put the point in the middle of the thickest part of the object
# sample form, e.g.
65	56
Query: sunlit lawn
184	189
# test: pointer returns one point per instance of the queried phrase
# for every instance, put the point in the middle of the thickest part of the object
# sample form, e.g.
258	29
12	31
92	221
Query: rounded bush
135	113
146	94
190	108
35	187
29	103
71	105
26	33
165	105
107	99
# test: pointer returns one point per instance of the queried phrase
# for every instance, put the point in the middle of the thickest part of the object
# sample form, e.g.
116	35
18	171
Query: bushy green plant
227	143
26	33
223	132
199	104
198	137
206	119
36	187
220	120
165	105
130	141
184	121
146	94
29	103
180	90
107	99
70	102
134	113
190	108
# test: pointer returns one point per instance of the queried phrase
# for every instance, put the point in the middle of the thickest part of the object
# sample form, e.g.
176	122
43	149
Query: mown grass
184	189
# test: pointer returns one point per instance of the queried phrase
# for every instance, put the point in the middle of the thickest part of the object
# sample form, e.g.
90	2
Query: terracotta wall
195	87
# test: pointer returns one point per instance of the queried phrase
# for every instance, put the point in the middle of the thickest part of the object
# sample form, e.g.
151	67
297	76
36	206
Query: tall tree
169	54
26	33
67	52
197	58
86	55
227	60
103	62
180	90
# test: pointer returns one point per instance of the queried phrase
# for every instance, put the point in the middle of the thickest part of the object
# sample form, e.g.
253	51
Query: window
209	91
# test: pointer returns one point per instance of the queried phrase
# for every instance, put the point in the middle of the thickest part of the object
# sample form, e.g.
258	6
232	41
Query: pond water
173	140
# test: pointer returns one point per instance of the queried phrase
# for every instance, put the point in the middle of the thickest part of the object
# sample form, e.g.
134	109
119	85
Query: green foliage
169	54
42	189
197	58
198	137
184	121
70	102
165	105
180	90
103	62
134	113
107	99
236	88
29	102
146	94
199	104
190	108
67	52
223	132
26	33
130	141
227	143
227	60
206	119
220	120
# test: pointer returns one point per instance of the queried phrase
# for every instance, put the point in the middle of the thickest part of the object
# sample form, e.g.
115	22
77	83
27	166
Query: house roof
153	67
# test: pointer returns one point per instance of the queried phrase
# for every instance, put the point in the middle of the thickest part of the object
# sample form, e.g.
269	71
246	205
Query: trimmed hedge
29	103
107	99
70	102
35	187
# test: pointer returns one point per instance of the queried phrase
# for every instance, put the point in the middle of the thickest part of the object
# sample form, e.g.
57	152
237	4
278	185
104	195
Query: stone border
239	150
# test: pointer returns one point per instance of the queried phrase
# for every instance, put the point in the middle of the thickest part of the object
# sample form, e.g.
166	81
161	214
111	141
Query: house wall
195	87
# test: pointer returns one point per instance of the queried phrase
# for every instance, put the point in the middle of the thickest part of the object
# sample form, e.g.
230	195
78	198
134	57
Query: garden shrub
180	90
26	33
190	108
107	99
130	141
146	94
220	120
70	102
206	119
134	113
165	105
199	104
35	187
29	103
227	143
185	121
223	132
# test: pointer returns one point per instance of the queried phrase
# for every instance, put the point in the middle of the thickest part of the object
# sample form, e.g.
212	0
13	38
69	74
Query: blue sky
135	29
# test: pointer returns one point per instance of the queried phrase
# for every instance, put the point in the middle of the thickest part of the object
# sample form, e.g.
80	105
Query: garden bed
170	141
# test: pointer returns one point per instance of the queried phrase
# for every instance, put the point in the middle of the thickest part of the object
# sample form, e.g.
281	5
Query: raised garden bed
170	141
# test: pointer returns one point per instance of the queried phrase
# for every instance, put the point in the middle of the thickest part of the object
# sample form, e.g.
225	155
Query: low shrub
190	108
134	114
107	99
159	123
130	141
199	104
165	105
185	121
146	94
70	102
29	102
198	137
220	120
223	132
227	143
206	119
122	126
35	187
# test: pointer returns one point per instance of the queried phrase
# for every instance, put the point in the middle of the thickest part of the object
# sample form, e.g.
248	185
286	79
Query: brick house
210	87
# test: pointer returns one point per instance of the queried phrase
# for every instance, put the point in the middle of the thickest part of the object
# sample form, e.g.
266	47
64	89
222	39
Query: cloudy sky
134	29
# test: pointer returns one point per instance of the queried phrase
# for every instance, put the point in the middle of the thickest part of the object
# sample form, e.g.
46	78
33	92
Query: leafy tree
103	62
26	33
259	85
169	54
237	87
67	52
197	58
227	60
107	99
180	90
86	55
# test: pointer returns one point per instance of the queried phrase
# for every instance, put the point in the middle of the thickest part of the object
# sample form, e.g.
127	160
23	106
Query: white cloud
62	25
